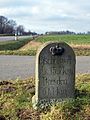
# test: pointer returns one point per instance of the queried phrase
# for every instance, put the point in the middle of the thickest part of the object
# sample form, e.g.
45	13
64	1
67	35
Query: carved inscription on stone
55	77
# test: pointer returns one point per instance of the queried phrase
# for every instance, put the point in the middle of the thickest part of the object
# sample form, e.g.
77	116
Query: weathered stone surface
55	72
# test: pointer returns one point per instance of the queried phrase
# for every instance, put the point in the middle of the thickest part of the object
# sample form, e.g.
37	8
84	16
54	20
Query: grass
32	52
70	39
13	45
7	35
79	43
81	52
18	52
16	102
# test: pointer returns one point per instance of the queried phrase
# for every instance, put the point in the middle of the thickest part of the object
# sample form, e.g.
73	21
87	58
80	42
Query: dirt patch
32	45
2	117
28	114
5	83
7	89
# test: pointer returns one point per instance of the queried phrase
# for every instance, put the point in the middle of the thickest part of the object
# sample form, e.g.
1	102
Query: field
16	102
79	43
70	39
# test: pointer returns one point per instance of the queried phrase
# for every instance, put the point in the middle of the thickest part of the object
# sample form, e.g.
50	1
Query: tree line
9	27
67	32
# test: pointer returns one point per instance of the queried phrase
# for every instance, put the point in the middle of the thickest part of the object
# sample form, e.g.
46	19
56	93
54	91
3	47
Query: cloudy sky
48	15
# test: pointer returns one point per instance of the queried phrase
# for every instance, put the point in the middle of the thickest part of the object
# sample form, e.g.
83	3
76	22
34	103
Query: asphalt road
8	38
13	67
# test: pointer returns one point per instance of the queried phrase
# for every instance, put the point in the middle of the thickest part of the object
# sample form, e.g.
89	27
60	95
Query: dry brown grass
33	45
82	46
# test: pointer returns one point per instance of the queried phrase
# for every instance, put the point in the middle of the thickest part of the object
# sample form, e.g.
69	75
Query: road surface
7	38
13	67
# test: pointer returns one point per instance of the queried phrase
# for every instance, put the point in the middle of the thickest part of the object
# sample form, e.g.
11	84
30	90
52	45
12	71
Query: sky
48	15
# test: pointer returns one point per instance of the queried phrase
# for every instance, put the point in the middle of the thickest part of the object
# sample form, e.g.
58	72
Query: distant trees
7	26
59	33
20	30
10	27
88	32
67	32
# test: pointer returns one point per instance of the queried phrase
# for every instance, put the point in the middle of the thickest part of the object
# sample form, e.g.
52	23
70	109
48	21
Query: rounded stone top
55	48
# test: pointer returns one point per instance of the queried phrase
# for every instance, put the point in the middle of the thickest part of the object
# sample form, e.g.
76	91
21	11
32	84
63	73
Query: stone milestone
55	73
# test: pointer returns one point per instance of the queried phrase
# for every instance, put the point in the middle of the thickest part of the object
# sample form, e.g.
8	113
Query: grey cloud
18	3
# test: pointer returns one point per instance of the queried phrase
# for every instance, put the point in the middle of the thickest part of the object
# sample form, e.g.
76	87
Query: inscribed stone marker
55	73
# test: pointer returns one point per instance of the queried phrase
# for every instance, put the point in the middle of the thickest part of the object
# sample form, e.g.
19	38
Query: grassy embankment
80	44
16	96
12	47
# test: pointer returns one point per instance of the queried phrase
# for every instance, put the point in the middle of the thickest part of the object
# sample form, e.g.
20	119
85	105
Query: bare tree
10	27
7	26
20	30
3	22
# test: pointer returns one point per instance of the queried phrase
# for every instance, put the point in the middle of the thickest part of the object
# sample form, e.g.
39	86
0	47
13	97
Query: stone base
44	103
